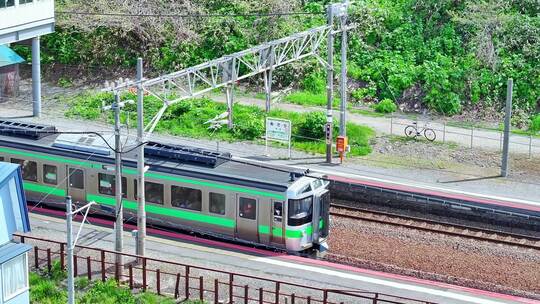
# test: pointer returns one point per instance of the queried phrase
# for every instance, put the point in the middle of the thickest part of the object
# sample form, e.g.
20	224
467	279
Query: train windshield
300	211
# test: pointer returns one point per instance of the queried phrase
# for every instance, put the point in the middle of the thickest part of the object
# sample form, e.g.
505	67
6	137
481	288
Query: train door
247	218
278	223
76	182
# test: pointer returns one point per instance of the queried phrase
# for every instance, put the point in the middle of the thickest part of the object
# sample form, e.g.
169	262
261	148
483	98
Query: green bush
534	127
107	293
43	290
313	125
386	106
314	83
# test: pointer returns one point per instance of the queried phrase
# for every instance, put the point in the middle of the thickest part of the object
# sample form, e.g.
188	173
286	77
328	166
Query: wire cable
190	16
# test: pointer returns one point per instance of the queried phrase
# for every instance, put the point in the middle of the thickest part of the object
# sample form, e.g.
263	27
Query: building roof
8	56
11	250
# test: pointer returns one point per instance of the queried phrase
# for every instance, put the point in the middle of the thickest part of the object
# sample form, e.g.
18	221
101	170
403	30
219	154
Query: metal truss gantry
228	70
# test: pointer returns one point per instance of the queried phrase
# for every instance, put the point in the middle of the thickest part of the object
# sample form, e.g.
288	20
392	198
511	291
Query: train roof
161	157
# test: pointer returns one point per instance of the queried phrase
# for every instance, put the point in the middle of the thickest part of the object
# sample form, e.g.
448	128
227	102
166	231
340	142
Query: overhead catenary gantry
228	70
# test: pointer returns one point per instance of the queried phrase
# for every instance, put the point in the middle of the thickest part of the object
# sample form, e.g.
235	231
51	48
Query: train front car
307	220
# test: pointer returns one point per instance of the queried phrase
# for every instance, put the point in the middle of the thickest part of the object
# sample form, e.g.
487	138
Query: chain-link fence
470	136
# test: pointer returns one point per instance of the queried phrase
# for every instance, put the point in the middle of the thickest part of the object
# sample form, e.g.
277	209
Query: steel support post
507	119
118	244
268	88
36	77
141	209
70	284
343	106
229	92
330	81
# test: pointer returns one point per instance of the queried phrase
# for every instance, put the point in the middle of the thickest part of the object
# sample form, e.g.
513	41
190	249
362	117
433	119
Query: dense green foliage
451	56
187	118
535	124
386	106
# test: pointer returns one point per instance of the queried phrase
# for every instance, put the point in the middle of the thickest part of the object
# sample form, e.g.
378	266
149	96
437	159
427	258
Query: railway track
436	226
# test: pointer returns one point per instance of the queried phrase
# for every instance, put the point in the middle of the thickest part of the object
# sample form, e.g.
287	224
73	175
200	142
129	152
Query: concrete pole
141	209
230	100
118	244
36	78
343	107
507	120
330	80
70	284
268	88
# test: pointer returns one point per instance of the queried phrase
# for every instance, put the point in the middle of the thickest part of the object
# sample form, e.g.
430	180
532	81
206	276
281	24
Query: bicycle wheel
430	135
410	132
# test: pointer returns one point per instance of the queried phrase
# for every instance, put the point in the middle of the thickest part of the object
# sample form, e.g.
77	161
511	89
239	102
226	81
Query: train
188	189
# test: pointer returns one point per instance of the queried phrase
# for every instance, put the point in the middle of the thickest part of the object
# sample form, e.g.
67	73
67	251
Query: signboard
278	130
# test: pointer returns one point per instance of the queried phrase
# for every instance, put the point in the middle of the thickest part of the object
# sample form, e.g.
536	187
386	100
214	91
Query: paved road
481	138
279	267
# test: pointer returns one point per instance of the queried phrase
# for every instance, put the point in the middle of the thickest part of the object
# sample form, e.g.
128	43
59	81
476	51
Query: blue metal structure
13	217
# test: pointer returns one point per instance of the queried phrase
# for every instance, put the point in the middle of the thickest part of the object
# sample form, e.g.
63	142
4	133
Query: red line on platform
433	193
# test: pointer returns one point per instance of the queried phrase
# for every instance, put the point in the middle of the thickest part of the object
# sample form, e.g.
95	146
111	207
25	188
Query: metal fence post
472	136
216	291
444	132
392	125
530	146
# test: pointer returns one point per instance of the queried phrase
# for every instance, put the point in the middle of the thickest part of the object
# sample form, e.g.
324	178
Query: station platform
224	256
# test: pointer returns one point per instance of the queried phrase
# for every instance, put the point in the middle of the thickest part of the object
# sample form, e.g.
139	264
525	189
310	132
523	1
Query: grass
49	288
305	98
188	118
366	112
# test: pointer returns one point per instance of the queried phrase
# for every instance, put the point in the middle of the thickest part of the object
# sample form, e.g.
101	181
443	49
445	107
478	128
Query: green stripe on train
44	189
148	174
185	215
190	216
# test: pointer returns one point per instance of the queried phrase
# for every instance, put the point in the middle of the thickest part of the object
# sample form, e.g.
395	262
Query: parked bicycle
413	131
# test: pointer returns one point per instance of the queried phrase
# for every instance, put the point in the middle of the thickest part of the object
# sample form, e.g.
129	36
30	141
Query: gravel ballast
434	256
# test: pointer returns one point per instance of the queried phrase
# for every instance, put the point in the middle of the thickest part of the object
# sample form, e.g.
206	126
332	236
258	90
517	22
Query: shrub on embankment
187	118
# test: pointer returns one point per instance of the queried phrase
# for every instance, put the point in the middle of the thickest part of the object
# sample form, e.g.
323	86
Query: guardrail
183	281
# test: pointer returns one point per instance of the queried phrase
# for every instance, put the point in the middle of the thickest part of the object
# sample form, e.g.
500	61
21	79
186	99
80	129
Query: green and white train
188	189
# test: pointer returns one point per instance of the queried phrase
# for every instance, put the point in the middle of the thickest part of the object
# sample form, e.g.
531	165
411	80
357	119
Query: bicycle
413	131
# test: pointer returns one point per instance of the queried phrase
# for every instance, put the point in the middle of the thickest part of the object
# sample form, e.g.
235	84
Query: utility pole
71	244
330	82
119	227
343	106
141	209
70	285
507	120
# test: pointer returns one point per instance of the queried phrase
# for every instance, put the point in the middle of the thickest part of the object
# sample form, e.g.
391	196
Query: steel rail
483	234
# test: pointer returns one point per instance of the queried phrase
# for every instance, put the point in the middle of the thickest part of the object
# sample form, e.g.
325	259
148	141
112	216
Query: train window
107	184
153	193
306	189
50	174
29	169
248	208
186	198
300	211
278	211
1	157
217	203
76	178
